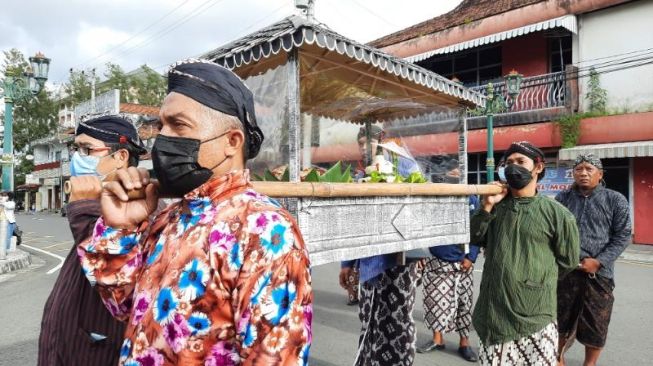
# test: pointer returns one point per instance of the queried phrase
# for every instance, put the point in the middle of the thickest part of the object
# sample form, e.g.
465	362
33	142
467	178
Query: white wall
47	153
615	31
41	154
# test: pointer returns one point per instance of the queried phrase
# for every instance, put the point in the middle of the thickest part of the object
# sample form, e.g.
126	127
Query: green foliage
312	176
269	177
415	177
35	117
14	63
335	174
597	96
116	78
569	126
23	168
150	87
142	86
78	87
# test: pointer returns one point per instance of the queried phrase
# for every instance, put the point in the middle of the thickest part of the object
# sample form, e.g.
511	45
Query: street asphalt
335	325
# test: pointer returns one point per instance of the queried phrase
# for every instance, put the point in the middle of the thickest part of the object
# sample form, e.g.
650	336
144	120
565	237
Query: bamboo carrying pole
326	190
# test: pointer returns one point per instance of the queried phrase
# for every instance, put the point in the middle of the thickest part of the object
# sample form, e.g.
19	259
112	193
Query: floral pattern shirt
220	278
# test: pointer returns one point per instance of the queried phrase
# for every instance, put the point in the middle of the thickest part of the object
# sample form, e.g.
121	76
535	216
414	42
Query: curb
640	257
15	261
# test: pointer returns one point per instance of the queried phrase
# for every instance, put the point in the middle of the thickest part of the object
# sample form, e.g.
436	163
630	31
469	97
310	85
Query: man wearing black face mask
529	240
221	277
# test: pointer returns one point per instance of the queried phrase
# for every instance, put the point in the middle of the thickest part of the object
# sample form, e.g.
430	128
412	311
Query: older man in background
585	296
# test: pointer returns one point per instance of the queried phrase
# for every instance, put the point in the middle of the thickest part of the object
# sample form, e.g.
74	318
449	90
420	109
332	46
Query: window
476	172
57	156
559	53
473	67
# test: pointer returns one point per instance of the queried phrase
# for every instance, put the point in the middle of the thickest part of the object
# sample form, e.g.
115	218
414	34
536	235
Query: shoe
468	354
430	346
352	302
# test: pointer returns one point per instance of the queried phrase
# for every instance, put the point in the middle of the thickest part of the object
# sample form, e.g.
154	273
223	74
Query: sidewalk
638	253
15	260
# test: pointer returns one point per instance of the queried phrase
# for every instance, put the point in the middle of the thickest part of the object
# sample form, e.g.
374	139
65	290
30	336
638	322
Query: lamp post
494	104
16	88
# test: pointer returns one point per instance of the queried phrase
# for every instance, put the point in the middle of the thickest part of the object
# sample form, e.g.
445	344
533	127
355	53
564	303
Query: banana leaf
312	176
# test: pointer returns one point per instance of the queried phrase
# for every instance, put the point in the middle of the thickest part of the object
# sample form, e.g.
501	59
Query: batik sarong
584	308
351	285
538	349
448	293
386	313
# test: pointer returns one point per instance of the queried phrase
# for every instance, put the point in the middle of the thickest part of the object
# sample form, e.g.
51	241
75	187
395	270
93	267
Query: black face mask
517	176
175	164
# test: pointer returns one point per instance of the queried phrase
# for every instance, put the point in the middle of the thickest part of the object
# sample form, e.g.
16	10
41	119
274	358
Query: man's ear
123	156
235	143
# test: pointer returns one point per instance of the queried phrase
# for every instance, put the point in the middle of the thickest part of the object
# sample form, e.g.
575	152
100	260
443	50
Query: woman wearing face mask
529	240
76	328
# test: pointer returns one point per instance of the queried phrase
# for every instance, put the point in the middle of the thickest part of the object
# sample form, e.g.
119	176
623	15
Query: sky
85	34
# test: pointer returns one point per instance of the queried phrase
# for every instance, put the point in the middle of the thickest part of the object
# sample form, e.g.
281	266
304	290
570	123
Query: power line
134	35
200	9
374	13
576	75
272	13
617	61
615	55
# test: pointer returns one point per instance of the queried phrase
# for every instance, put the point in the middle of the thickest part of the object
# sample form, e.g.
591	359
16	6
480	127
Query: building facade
557	46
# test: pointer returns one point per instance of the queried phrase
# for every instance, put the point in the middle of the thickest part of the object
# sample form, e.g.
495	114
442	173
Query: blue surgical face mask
83	165
502	173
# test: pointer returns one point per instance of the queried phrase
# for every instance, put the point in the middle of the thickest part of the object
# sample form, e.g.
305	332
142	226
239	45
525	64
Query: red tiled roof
52	165
131	108
468	11
28	187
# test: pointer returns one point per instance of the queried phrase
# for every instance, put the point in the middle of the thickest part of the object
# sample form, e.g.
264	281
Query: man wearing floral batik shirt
221	277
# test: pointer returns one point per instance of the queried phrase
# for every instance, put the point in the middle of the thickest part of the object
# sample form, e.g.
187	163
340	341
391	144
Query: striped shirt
527	241
76	328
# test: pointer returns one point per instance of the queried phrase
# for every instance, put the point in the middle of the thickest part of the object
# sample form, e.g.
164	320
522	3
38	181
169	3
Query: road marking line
60	258
59	243
29	240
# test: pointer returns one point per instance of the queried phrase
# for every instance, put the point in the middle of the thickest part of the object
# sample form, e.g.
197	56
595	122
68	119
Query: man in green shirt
529	240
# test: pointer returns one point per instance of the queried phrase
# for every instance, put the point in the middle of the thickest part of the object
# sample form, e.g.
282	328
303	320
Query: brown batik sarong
584	308
538	349
351	285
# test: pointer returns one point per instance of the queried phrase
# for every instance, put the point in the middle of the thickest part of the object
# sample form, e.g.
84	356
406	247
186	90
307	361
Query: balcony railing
537	92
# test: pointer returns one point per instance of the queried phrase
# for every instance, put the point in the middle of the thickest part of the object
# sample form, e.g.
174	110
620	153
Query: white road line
60	258
59	243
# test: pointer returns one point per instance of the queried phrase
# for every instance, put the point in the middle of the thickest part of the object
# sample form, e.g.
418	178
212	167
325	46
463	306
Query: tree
149	86
117	79
142	86
34	117
14	63
78	87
